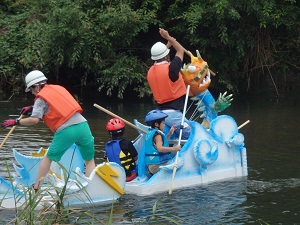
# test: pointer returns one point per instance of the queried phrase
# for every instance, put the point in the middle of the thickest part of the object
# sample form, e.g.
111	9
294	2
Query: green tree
12	22
243	40
82	42
105	44
92	39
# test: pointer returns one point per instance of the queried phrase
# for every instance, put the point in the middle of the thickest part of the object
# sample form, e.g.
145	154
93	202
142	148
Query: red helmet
115	126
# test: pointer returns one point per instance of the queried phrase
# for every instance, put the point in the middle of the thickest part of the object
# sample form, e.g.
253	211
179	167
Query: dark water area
270	194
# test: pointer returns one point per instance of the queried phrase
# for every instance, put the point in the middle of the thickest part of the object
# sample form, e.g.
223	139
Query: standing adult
62	114
166	82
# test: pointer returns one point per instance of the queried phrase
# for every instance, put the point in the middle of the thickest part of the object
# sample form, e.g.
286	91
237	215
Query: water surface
269	194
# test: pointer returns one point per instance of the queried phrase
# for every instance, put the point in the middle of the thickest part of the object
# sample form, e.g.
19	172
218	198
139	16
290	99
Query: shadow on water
269	194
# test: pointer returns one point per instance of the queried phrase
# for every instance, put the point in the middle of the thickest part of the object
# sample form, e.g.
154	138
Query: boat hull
105	185
207	156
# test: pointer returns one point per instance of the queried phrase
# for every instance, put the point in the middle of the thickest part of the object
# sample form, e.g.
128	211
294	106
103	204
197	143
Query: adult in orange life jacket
62	114
167	84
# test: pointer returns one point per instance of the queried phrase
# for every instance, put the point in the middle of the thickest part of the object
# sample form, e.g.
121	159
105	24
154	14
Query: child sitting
157	149
119	150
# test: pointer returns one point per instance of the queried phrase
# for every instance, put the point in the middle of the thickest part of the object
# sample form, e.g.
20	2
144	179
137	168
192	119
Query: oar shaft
244	124
114	115
9	133
179	139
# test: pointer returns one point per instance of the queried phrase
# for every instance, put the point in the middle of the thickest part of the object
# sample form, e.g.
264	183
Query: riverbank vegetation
104	45
48	206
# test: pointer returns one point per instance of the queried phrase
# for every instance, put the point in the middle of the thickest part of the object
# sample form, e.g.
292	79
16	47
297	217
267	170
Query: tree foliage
242	39
105	44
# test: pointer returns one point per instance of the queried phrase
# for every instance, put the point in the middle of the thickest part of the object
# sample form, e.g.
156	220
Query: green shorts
80	134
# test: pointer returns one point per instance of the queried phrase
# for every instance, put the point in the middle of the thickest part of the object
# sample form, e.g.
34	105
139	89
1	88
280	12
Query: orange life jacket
61	103
163	89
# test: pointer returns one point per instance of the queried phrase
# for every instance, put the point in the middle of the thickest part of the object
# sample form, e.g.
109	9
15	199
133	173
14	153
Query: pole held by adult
10	132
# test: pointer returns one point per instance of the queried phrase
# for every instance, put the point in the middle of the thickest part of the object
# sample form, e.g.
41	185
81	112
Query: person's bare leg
43	170
89	167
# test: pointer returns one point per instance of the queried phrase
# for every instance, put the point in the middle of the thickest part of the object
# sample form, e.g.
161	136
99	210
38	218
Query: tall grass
31	209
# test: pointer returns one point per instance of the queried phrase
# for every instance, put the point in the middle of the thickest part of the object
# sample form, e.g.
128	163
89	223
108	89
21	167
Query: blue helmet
155	115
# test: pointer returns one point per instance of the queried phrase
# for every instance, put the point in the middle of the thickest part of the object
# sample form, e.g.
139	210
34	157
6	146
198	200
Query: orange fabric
163	89
61	103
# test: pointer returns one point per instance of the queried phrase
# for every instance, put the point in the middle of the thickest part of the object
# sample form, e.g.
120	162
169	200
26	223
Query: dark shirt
174	69
127	146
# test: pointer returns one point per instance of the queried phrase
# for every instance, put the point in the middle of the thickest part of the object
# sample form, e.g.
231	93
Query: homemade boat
214	150
207	156
104	185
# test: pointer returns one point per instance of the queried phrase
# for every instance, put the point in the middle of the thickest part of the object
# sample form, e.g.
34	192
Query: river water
270	194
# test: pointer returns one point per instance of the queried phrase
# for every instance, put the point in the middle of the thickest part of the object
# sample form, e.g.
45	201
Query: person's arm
40	108
174	69
171	131
172	42
159	145
176	63
29	121
132	150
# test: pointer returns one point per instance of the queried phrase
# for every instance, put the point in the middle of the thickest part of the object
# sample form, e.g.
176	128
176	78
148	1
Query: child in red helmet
119	150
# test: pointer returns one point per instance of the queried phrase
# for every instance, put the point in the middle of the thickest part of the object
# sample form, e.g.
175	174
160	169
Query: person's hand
172	129
177	147
25	110
8	123
165	34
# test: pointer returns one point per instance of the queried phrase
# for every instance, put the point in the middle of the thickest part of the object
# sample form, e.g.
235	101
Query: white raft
105	184
207	156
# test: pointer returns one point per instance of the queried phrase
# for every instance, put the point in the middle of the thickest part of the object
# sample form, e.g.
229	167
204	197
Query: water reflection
207	204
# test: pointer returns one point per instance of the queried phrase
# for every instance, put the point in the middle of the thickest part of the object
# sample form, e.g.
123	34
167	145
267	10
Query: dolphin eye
191	68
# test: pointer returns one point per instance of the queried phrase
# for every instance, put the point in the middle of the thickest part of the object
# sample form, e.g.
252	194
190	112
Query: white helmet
34	77
159	50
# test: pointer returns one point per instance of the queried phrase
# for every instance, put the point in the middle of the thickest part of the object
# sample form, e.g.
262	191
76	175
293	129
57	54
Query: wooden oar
9	133
114	115
179	140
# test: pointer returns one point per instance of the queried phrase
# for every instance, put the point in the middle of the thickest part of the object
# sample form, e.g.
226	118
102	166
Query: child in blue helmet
157	149
119	150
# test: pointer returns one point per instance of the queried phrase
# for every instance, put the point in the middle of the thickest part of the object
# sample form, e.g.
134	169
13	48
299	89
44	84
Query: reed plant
262	222
161	216
31	208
